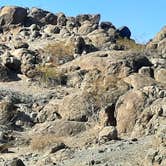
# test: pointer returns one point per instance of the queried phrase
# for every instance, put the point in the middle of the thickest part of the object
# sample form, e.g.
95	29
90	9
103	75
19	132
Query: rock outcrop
12	15
77	91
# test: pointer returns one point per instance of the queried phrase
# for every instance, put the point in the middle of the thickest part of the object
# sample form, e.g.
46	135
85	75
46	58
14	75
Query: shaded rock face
6	112
124	32
106	25
150	118
3	73
12	15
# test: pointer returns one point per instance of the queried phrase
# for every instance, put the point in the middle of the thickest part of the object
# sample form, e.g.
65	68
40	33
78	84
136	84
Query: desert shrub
98	94
50	75
130	44
60	51
102	92
40	142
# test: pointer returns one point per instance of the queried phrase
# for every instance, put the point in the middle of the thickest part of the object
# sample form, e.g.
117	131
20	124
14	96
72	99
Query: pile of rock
69	78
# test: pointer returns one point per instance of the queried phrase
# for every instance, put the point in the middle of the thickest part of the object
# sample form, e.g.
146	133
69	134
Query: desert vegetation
79	91
59	52
129	44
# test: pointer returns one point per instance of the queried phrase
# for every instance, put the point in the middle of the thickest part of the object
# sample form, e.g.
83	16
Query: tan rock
77	106
6	112
128	110
107	133
60	128
86	28
152	120
98	37
138	81
160	75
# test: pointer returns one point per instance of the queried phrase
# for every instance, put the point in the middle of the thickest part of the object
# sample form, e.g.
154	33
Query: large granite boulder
12	15
41	17
128	110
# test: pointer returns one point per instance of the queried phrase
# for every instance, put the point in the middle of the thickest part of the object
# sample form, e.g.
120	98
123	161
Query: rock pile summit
76	91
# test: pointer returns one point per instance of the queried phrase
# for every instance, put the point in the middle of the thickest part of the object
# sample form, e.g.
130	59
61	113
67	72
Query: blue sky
144	17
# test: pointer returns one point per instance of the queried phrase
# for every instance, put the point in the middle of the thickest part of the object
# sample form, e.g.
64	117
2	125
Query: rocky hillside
75	91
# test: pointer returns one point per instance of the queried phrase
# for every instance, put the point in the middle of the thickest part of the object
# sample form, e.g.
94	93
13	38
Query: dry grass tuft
60	51
129	44
41	142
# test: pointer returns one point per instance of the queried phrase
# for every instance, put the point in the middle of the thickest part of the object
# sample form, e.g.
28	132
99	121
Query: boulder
28	60
79	45
60	128
160	75
94	19
34	27
14	162
152	120
12	15
87	27
71	23
138	81
124	32
158	42
147	71
11	62
82	18
160	35
52	29
57	146
108	133
75	107
161	47
106	25
20	44
61	20
6	112
49	112
41	17
119	63
3	73
128	110
98	37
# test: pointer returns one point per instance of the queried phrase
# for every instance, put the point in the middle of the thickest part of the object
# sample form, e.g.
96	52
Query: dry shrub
60	51
99	93
129	44
103	84
40	142
50	75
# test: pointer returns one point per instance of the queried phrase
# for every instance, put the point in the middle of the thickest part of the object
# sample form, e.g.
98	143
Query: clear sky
144	17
